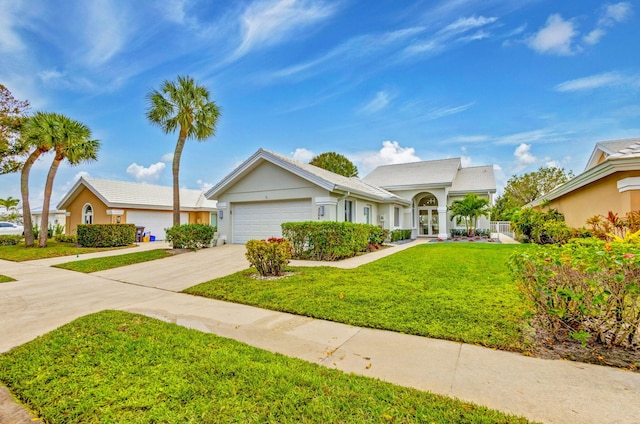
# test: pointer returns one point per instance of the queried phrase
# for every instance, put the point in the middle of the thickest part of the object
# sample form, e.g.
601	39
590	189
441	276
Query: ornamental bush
190	236
398	235
584	290
331	241
10	240
269	257
106	235
64	238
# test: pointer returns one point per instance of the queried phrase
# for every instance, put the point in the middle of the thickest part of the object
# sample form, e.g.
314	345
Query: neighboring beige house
610	182
269	189
98	201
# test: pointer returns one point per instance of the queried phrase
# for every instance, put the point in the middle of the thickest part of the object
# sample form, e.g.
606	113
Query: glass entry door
429	225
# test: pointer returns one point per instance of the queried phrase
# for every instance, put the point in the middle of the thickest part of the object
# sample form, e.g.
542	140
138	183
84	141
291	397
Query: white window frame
348	210
86	215
396	216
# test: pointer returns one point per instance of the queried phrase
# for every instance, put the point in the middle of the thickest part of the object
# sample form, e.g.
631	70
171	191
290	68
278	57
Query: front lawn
5	279
118	367
109	262
54	249
454	291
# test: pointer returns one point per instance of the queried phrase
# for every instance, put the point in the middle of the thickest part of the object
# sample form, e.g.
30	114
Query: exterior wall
74	211
201	217
597	198
54	218
483	222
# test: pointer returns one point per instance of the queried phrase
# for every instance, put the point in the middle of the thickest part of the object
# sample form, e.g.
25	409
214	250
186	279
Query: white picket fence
501	227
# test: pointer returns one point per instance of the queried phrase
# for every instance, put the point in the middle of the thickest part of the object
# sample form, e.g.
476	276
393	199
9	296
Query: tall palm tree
182	105
38	134
73	143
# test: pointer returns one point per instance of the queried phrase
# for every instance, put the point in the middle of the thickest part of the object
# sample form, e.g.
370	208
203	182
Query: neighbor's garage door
262	220
155	222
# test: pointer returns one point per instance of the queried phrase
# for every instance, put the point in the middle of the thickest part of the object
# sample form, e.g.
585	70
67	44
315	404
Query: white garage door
262	220
155	222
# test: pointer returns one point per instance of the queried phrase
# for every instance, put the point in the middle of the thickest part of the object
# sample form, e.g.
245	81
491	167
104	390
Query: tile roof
433	172
614	146
340	181
129	194
631	150
475	178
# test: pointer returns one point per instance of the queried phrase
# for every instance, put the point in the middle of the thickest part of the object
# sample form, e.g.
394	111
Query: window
348	211
87	214
367	214
428	200
396	216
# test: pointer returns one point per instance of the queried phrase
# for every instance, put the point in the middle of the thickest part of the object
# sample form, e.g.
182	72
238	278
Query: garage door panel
261	220
155	222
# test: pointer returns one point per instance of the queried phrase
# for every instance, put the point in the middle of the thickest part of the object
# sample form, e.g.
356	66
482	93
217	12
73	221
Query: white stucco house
268	189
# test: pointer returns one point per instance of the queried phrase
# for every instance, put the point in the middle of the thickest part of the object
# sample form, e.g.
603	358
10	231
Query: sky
517	84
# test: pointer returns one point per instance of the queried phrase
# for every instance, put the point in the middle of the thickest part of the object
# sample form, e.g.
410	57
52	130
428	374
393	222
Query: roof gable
415	174
125	194
475	179
614	149
328	180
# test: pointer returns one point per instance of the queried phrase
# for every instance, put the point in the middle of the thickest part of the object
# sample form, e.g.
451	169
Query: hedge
10	240
397	235
106	235
330	241
190	236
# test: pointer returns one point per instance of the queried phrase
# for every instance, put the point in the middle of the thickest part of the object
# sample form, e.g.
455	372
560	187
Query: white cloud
523	156
468	139
501	178
612	14
526	137
556	37
441	112
269	22
302	155
147	175
446	37
591	82
379	102
465	161
594	36
9	18
465	24
204	185
390	153
80	175
106	31
167	157
552	163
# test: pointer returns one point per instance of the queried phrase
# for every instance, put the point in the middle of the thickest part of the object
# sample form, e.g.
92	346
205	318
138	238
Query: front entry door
429	222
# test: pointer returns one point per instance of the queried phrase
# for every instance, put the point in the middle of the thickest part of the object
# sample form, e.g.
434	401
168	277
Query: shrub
10	240
106	235
398	235
529	224
330	241
584	290
551	232
479	232
190	236
269	257
63	238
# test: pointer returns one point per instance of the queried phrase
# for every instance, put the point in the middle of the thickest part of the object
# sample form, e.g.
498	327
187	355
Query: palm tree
73	143
182	105
37	134
9	203
470	208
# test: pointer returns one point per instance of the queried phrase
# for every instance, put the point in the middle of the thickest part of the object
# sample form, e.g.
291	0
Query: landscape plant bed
110	262
119	367
54	249
455	291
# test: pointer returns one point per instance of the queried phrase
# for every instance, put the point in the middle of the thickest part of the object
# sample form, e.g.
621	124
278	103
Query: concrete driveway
45	298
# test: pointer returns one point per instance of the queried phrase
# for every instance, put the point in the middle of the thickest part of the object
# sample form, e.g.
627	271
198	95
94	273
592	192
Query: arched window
87	214
428	200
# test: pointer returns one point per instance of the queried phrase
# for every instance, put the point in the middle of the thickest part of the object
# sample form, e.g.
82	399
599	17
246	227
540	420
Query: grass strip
461	292
54	249
109	262
119	367
5	279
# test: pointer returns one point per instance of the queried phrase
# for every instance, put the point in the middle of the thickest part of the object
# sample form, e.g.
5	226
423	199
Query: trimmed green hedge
330	241
10	240
397	235
106	235
190	236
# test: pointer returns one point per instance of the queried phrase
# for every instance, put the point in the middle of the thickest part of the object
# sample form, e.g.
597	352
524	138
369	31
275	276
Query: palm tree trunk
176	174
24	191
48	188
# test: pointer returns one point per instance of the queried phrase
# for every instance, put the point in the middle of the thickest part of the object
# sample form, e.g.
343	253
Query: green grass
116	367
54	249
461	292
109	262
5	279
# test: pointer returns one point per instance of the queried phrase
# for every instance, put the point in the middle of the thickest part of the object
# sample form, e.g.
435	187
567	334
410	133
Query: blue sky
515	83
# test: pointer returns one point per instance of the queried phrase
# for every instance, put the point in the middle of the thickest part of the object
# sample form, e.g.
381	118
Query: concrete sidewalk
550	391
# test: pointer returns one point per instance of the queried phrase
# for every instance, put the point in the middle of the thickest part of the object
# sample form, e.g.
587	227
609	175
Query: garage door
155	222
262	220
